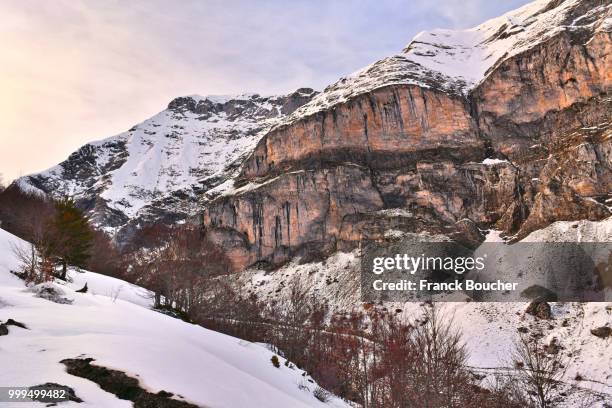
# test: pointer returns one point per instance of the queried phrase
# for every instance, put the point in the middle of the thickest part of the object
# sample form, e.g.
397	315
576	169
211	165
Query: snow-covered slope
489	329
166	165
455	61
112	324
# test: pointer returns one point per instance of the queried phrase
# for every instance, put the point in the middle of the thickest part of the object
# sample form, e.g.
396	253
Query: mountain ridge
163	167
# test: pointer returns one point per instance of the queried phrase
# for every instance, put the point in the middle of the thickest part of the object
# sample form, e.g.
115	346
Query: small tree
70	236
539	372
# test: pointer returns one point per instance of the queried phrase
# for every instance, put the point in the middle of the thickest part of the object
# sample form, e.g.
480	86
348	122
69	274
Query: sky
74	71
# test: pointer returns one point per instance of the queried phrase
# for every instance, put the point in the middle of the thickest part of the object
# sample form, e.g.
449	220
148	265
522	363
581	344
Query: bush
275	361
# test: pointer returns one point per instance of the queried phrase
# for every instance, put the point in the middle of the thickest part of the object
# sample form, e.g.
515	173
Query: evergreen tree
70	235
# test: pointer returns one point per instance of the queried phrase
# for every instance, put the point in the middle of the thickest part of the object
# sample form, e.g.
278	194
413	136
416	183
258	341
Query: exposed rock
539	294
388	128
3	329
11	322
83	289
121	385
70	393
602	332
296	211
541	310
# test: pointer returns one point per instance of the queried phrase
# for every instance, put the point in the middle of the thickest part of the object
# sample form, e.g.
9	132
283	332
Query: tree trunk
64	269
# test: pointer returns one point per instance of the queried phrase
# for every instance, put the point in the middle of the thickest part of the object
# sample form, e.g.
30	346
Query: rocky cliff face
506	124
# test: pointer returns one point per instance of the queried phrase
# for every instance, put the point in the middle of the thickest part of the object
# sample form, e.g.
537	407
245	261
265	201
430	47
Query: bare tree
539	371
35	263
177	264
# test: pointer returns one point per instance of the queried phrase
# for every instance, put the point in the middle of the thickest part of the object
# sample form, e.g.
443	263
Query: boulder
540	310
602	332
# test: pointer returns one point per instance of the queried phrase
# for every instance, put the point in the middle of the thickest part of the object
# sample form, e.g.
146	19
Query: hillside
113	324
490	329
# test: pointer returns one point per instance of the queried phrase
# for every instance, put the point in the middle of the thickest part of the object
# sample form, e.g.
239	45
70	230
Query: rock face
417	142
165	168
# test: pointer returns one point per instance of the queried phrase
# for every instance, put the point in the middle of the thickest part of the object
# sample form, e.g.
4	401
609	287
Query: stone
11	322
541	310
602	332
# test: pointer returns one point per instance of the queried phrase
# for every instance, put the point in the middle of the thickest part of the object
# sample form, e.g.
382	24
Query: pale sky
74	71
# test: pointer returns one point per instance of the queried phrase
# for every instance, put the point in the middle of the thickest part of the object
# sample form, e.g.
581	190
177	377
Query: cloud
74	71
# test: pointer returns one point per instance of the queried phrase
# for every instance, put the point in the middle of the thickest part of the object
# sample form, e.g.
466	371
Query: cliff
506	124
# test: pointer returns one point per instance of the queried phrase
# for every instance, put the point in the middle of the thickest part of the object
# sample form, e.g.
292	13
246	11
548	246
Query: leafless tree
538	370
177	264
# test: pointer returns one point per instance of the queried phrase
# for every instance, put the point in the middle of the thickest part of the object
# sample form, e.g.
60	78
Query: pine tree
71	237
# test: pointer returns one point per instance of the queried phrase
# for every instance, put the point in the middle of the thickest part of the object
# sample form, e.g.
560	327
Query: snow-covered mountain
456	61
165	166
113	324
505	125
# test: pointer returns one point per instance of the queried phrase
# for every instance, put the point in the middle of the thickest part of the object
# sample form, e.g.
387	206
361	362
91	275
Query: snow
491	162
574	231
192	151
120	332
489	329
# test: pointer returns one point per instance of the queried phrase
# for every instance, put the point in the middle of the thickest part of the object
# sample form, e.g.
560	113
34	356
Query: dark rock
83	289
602	332
539	294
3	329
121	385
69	392
541	310
11	322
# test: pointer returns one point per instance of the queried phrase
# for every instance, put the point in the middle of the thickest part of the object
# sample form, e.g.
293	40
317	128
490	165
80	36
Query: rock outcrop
408	145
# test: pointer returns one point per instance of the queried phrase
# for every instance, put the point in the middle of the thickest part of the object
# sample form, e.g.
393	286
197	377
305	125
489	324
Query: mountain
113	324
506	125
502	131
164	168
